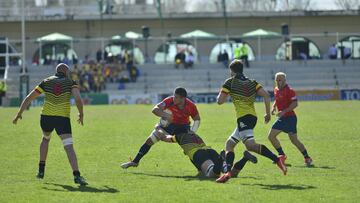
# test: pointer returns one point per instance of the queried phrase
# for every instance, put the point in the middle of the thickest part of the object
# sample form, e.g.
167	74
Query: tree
347	4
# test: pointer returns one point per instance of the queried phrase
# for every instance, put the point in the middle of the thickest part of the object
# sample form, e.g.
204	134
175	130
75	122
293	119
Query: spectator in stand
225	58
2	90
332	52
180	58
237	52
245	55
189	60
347	52
99	55
74	59
134	73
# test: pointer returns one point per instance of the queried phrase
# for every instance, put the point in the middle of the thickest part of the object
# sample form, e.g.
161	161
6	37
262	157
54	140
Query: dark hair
62	68
181	91
236	66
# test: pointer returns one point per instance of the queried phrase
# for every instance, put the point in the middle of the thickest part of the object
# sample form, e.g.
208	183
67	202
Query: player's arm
158	110
224	92
261	92
291	107
273	109
195	126
79	104
222	97
164	136
25	103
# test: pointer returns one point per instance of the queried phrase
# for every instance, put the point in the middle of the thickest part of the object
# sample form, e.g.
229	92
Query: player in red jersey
181	109
285	102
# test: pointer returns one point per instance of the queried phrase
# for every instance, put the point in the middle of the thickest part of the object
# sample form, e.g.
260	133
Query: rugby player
205	159
285	103
55	114
181	109
243	91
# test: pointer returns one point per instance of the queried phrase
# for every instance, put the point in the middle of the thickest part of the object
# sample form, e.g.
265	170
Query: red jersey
180	116
284	98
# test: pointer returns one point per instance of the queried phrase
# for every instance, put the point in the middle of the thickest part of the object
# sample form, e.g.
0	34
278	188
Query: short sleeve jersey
180	116
284	98
57	90
242	91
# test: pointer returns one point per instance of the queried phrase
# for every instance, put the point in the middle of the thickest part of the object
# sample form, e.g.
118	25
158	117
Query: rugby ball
164	122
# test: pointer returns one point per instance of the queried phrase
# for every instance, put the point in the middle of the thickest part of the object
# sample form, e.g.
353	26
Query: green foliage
329	130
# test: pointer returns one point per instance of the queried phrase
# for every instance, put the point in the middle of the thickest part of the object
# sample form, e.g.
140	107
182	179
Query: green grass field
329	130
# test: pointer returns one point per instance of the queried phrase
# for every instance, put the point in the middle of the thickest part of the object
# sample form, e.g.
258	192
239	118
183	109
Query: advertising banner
317	95
134	99
351	94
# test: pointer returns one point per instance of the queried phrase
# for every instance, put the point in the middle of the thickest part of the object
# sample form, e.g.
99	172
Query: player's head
280	79
62	68
236	66
179	95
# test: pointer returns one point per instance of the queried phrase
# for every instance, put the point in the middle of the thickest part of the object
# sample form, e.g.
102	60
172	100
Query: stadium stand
204	78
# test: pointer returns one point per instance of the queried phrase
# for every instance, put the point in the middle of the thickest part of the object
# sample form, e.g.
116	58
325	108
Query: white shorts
244	135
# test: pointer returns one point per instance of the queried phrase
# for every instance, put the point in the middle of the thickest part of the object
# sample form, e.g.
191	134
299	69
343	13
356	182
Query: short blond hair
280	74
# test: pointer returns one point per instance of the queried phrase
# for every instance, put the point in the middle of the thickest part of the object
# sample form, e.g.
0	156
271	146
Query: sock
76	173
41	166
240	164
267	153
143	150
229	158
218	165
305	154
280	151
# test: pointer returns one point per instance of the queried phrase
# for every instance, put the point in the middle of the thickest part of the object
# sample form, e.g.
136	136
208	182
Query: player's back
243	92
57	90
189	142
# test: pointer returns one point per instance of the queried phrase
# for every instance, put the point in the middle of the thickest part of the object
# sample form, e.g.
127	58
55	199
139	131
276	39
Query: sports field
330	130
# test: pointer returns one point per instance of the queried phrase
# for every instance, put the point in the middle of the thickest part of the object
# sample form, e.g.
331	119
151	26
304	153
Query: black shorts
60	124
202	155
176	128
247	122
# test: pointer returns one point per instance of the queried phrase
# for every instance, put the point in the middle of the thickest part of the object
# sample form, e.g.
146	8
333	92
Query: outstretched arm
26	102
79	104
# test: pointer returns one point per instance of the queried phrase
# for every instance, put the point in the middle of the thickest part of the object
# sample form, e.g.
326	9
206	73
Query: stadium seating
203	78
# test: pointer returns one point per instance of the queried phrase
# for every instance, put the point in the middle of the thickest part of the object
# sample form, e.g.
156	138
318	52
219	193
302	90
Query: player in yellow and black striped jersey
206	159
243	91
55	114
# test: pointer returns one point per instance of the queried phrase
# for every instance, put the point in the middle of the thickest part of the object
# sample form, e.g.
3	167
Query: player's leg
300	146
261	149
230	144
63	129
278	127
274	141
144	149
47	126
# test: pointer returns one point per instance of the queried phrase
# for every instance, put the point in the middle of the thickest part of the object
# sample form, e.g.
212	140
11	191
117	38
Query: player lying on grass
206	159
174	110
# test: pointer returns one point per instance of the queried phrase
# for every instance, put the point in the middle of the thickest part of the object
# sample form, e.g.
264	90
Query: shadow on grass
319	167
106	189
282	187
187	178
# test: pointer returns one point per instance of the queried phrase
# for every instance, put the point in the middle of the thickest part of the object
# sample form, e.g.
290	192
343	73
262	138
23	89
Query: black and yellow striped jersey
190	143
242	91
57	90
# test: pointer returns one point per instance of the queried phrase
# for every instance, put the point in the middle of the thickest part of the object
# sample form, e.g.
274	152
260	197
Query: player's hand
273	111
81	119
17	117
267	118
